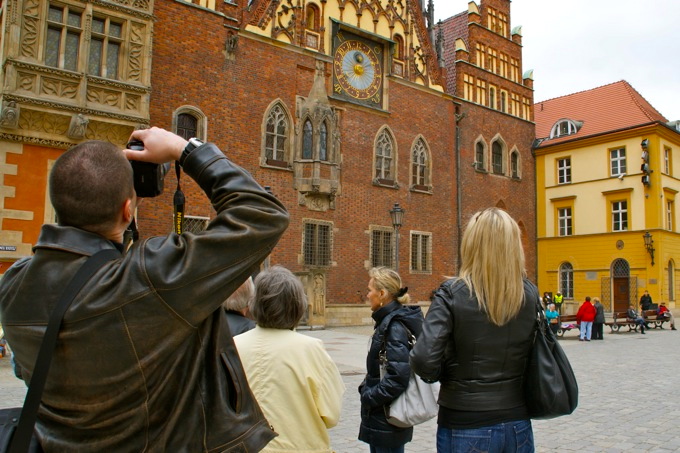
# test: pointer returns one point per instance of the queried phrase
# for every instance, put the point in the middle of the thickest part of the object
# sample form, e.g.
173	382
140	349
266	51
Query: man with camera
144	360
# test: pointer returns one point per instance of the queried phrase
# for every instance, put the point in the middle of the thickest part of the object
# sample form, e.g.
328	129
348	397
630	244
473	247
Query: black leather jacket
377	393
145	360
480	365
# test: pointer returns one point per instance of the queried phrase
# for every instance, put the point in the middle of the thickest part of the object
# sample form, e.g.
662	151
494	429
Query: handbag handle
29	412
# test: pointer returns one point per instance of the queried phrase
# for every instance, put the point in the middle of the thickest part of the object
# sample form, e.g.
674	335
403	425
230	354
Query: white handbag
418	403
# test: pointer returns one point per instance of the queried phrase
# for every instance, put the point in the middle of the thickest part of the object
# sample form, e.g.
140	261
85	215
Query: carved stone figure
9	117
78	126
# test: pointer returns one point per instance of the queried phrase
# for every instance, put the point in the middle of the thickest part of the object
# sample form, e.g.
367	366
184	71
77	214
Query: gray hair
280	300
242	297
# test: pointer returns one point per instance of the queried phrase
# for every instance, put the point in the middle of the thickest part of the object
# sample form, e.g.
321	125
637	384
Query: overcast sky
582	44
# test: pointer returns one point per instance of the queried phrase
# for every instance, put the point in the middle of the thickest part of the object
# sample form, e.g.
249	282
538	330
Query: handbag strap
29	413
382	354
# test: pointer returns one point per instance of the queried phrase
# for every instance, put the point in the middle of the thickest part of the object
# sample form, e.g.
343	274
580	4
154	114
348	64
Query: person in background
664	313
236	308
585	317
547	299
553	318
559	298
634	316
645	301
598	322
476	341
393	322
292	376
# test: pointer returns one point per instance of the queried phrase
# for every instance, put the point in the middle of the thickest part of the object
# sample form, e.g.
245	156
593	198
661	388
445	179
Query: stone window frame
515	164
385	131
503	156
478	165
386	231
124	71
427	186
289	143
304	244
201	120
415	240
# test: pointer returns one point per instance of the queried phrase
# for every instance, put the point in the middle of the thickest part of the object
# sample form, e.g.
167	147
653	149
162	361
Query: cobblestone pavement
629	394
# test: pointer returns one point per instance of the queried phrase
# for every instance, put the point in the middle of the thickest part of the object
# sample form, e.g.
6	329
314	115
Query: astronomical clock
358	74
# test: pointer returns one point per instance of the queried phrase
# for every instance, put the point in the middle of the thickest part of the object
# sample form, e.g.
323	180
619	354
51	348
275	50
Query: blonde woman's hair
493	264
389	280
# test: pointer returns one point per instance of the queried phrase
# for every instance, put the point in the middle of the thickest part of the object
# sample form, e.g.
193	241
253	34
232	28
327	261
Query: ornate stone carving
132	102
9	117
135	62
114	133
101	96
71	108
78	126
35	141
45	122
58	88
27	82
29	32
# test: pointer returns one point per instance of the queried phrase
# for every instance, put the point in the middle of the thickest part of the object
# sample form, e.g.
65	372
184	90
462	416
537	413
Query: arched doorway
620	272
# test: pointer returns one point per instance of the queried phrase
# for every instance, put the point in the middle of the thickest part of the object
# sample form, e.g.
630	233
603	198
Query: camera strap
178	202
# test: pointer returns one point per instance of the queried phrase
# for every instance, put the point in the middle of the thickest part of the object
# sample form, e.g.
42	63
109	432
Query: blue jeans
501	438
586	329
375	449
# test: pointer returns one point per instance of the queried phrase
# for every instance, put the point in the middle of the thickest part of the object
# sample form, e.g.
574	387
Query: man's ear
128	211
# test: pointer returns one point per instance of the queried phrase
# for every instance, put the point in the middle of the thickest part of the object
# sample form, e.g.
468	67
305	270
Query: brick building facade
264	84
494	121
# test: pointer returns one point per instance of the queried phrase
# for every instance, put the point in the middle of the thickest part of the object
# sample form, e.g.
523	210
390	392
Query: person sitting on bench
664	313
639	320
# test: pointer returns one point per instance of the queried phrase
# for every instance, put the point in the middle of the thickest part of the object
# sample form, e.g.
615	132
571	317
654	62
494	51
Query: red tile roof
604	109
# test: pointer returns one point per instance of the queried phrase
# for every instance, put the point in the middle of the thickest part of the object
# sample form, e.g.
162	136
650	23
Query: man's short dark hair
89	184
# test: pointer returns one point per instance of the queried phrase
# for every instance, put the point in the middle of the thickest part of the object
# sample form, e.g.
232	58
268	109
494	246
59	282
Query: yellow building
608	171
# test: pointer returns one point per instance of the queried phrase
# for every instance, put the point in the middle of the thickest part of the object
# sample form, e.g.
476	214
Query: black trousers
597	331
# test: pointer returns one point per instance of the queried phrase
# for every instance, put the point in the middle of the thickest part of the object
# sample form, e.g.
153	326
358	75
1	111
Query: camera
148	177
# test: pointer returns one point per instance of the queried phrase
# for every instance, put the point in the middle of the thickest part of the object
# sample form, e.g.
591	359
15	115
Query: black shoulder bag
550	386
16	423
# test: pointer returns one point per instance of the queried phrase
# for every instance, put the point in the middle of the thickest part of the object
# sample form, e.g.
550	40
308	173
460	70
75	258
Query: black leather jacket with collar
145	360
480	365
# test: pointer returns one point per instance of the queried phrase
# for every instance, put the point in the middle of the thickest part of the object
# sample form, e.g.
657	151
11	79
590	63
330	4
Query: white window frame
564	170
564	221
617	161
620	215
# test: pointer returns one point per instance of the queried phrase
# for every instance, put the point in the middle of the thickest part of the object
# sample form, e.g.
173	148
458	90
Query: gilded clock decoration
357	70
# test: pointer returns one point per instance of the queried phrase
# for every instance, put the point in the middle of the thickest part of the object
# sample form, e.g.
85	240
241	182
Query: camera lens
136	145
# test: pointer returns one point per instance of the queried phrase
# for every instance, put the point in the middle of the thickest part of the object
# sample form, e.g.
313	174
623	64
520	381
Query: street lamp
397	214
649	244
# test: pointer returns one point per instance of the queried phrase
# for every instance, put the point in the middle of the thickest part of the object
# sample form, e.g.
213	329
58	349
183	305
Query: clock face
357	71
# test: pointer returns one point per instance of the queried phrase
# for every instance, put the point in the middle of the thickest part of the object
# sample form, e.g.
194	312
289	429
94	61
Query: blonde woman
476	341
393	321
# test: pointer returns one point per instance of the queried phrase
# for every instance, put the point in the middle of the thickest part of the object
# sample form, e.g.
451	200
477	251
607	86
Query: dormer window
565	127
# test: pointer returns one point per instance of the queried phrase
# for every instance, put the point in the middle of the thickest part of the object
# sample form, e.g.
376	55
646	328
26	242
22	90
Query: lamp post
649	244
397	214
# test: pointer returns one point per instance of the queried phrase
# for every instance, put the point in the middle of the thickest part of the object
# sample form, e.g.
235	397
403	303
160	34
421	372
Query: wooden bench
567	322
621	319
652	319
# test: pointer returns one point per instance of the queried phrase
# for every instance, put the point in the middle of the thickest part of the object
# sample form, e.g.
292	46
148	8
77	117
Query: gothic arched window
420	166
323	142
497	158
384	158
276	137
